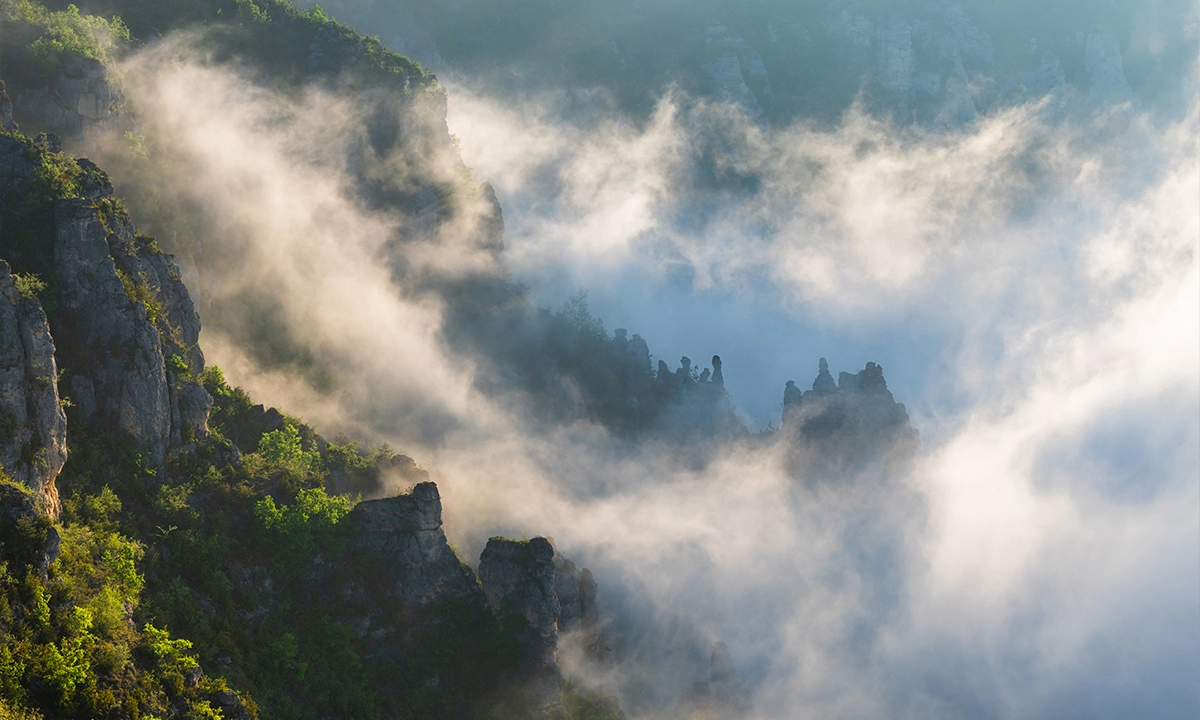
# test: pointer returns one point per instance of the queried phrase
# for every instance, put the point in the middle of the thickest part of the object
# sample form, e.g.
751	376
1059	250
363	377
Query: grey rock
567	591
231	705
853	425
824	382
1107	84
728	84
492	223
518	580
721	697
83	97
518	577
402	537
118	347
33	427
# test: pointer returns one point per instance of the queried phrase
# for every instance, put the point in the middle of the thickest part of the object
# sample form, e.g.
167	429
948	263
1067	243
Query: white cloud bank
1043	559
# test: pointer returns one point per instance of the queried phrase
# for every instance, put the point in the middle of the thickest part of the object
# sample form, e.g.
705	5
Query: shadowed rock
405	543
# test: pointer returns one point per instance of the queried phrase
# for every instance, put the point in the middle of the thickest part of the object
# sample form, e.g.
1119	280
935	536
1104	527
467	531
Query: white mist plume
997	581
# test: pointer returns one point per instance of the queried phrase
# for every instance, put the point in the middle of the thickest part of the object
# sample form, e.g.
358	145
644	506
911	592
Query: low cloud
1039	559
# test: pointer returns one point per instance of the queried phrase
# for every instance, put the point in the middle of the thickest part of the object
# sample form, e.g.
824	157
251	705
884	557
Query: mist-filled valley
638	360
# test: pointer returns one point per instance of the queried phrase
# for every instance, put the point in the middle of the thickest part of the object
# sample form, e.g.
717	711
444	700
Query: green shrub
67	34
306	525
29	286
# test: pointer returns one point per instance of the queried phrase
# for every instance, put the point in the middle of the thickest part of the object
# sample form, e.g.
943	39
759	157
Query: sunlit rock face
123	322
124	312
838	429
33	427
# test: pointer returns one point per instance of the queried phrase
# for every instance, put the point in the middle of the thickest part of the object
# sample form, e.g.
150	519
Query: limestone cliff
518	581
6	119
123	322
33	427
81	98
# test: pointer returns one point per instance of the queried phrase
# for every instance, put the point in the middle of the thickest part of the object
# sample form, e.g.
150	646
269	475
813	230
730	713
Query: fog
1030	283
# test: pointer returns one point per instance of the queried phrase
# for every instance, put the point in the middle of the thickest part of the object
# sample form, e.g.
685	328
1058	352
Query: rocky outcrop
536	594
518	582
33	427
403	540
82	97
1107	85
26	532
846	426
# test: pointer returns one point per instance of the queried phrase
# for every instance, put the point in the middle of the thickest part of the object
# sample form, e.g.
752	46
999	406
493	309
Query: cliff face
33	426
126	327
81	98
929	62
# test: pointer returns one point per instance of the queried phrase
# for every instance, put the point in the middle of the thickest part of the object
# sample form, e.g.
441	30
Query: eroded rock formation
848	425
33	426
403	538
6	108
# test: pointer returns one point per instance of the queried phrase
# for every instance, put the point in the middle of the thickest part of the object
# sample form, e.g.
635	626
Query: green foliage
29	286
282	448
177	365
170	652
306	525
66	35
139	292
11	710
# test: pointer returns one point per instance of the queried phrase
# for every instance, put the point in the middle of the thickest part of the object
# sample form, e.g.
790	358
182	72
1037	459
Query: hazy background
1029	278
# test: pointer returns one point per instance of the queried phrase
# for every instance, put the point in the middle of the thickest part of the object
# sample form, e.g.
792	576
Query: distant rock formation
518	578
848	425
721	697
33	426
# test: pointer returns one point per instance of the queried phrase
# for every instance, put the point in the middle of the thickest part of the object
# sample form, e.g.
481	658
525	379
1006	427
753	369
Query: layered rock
403	540
33	427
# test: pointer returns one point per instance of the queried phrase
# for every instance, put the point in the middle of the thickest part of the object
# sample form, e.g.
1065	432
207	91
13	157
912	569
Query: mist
1030	283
